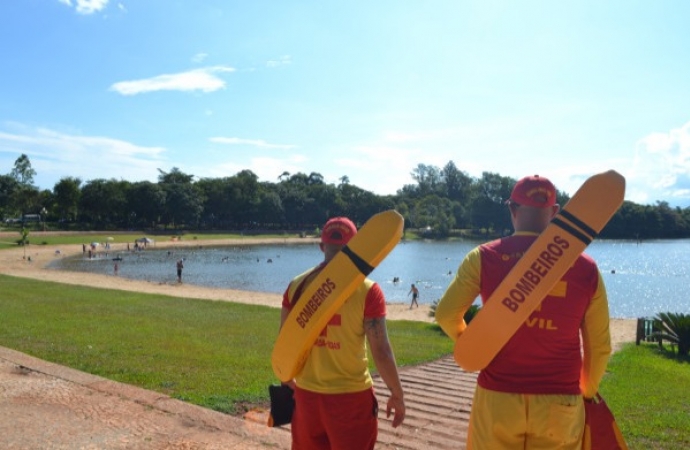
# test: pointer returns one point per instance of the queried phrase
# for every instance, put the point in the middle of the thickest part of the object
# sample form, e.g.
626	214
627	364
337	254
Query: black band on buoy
359	263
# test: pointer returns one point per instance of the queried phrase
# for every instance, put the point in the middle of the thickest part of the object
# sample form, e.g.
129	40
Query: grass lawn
214	354
648	391
217	354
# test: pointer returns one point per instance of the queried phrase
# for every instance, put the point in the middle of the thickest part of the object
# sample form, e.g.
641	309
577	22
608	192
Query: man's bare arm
377	336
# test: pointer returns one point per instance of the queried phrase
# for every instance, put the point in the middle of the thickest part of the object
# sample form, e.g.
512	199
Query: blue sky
367	90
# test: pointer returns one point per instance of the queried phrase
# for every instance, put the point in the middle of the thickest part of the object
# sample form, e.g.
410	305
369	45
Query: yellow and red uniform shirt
338	360
544	355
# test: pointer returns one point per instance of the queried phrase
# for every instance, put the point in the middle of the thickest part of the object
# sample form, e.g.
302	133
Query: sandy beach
33	265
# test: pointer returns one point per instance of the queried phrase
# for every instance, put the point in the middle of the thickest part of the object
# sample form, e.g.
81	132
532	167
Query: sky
366	90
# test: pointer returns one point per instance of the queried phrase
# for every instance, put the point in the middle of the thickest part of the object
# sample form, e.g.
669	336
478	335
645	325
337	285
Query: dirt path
45	406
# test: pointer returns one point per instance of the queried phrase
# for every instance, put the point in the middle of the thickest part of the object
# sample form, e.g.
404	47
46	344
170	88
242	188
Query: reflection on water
642	279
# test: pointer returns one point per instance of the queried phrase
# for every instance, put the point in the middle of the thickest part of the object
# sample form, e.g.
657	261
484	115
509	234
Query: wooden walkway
438	399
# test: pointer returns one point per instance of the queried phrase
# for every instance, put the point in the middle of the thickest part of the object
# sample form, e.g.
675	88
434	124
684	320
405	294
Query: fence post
640	331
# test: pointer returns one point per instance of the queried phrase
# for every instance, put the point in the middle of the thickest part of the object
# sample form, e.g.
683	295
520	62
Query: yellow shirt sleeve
596	342
459	295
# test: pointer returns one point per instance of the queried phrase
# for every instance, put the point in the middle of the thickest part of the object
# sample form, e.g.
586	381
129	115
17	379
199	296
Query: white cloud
55	155
662	166
88	6
383	168
282	61
251	142
205	80
660	170
270	169
199	57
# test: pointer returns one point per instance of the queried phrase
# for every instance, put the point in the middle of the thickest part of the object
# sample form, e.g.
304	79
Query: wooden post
640	330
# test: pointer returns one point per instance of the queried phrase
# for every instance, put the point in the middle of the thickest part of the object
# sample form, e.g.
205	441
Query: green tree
359	204
183	205
672	222
457	184
104	202
315	178
434	212
8	188
25	198
183	200
295	204
67	194
324	204
22	171
175	176
216	203
145	204
428	178
270	211
626	222
244	195
488	210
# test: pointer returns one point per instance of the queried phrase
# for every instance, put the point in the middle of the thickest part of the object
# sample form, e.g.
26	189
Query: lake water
642	279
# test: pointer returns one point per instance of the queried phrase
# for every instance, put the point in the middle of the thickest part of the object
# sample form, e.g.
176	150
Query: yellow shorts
504	421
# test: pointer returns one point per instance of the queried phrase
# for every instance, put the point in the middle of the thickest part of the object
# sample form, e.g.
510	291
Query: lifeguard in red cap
530	396
335	406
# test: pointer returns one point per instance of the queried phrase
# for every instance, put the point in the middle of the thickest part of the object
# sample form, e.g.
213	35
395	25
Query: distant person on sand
530	396
415	295
335	405
180	266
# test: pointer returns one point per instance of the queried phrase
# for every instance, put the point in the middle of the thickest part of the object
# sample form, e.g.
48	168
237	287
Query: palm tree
675	328
469	314
25	239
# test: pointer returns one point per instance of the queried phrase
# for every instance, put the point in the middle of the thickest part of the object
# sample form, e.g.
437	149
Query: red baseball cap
534	191
338	231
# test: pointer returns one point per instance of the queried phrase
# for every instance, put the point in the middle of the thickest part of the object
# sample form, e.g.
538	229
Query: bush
469	314
675	328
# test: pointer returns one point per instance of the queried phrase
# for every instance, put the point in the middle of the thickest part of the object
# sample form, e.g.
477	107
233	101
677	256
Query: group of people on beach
530	396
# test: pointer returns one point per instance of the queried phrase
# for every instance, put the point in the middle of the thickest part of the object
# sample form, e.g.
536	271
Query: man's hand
396	404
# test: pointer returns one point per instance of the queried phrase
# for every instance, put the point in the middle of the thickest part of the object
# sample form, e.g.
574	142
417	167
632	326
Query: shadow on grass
669	352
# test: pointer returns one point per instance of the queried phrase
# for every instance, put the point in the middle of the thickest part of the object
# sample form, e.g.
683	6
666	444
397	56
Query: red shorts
334	421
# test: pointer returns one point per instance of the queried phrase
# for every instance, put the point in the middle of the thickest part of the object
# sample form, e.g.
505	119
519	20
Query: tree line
442	202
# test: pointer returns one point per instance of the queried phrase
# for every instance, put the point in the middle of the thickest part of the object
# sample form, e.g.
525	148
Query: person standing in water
180	266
